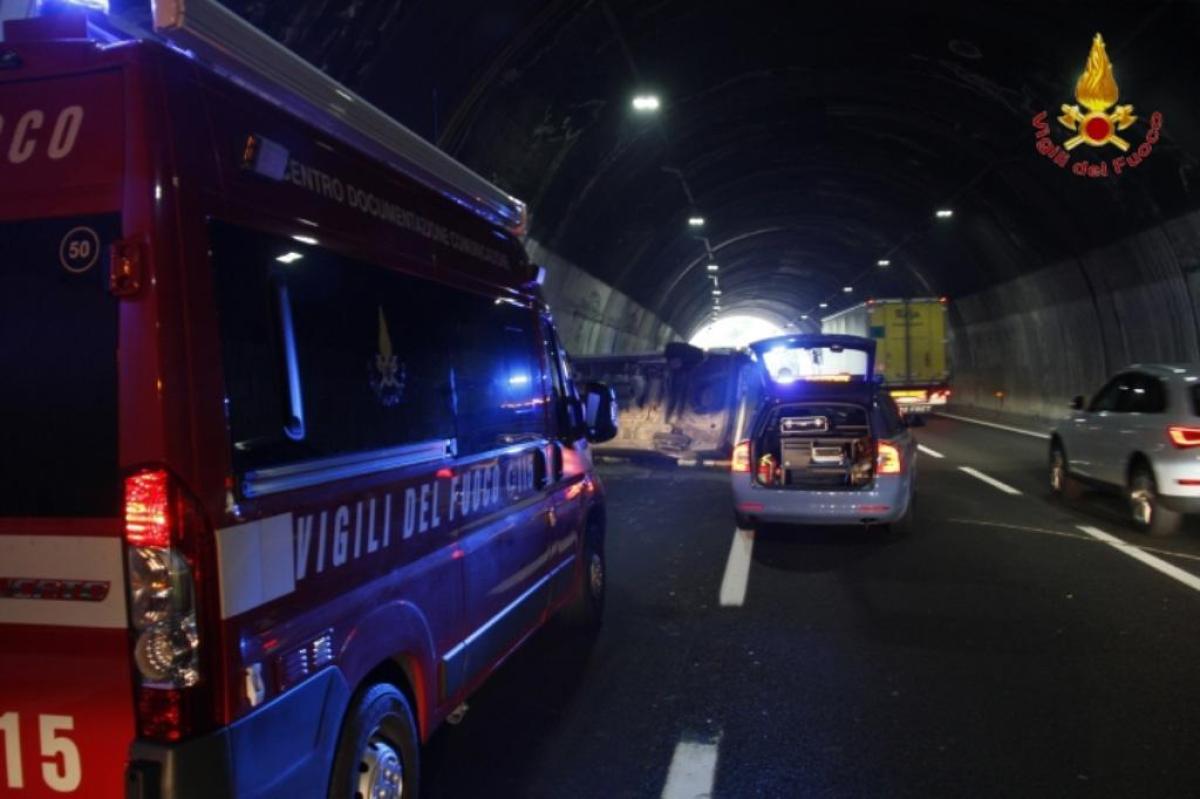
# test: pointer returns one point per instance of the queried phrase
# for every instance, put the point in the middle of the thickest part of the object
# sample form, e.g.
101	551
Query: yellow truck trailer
910	346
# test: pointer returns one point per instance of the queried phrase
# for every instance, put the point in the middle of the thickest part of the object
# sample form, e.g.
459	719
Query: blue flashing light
88	5
518	380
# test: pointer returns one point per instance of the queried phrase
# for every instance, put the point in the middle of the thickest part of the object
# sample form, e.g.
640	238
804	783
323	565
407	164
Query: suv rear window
58	352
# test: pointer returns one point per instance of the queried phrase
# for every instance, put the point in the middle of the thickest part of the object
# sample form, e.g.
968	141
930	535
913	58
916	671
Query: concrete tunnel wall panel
1049	335
592	317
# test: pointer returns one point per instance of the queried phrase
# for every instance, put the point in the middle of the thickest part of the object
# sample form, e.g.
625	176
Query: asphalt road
997	650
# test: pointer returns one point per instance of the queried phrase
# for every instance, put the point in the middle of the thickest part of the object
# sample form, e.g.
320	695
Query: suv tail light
1184	437
887	459
741	458
162	605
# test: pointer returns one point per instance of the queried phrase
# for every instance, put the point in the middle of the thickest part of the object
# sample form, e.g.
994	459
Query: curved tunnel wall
1043	338
592	317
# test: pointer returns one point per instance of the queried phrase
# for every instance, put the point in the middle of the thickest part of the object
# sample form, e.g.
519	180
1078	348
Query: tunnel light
823	305
289	257
646	103
713	268
695	221
305	240
803	317
883	262
944	213
716	292
847	289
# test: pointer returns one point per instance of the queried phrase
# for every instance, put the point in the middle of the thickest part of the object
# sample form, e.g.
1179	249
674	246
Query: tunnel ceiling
815	138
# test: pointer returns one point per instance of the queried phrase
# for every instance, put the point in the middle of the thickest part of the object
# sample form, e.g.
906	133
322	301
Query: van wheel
1149	516
378	752
1062	484
586	613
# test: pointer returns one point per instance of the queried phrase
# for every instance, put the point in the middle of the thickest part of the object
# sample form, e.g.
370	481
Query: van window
498	376
58	353
384	358
372	347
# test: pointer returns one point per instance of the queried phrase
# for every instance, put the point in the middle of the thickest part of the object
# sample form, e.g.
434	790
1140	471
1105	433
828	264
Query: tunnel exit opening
735	331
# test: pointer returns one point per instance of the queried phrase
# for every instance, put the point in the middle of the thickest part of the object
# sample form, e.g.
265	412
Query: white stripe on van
64	557
257	563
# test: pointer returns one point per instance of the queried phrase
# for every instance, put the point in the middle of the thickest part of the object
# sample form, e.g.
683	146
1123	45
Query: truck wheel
586	613
1149	516
1062	484
378	752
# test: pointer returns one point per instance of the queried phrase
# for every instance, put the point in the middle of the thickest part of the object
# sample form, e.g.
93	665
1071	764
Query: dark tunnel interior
816	141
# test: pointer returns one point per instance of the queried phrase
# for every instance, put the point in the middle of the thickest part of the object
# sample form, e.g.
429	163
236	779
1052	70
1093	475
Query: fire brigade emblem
1096	120
1097	92
385	373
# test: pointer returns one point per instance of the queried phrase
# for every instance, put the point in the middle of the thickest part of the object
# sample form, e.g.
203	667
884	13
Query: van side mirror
600	412
1078	403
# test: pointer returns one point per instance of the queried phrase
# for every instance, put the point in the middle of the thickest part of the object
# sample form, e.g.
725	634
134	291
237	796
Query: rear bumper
283	749
885	502
1180	504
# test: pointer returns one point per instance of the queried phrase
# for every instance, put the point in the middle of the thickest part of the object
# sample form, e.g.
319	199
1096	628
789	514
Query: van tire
585	613
378	747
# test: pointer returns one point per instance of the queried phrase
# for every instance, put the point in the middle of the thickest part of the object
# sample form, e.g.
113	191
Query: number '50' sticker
79	250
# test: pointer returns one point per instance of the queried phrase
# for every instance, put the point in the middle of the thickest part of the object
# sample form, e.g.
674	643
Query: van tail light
1184	437
887	459
741	458
159	519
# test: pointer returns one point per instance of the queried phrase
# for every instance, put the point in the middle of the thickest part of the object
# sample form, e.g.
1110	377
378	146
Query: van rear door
66	710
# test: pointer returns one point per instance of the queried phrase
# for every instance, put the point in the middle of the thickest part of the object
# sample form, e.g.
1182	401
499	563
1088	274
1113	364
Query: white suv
1139	434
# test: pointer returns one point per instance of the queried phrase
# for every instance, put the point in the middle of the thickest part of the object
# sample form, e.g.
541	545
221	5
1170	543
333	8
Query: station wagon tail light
1184	437
741	458
162	604
888	459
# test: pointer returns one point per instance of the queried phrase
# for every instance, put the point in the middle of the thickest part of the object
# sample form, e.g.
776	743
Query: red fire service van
290	458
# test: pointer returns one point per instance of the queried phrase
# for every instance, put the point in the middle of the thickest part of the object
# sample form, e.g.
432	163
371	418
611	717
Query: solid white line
968	419
933	453
737	570
693	771
1172	571
992	481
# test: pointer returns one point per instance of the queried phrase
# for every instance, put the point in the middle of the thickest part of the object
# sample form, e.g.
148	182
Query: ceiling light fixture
646	103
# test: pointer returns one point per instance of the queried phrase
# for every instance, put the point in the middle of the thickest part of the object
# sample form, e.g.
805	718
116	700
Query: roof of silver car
1167	370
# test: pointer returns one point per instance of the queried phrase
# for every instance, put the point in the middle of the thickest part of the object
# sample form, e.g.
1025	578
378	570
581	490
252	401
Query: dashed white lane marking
693	770
992	481
1158	564
933	453
968	419
737	569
